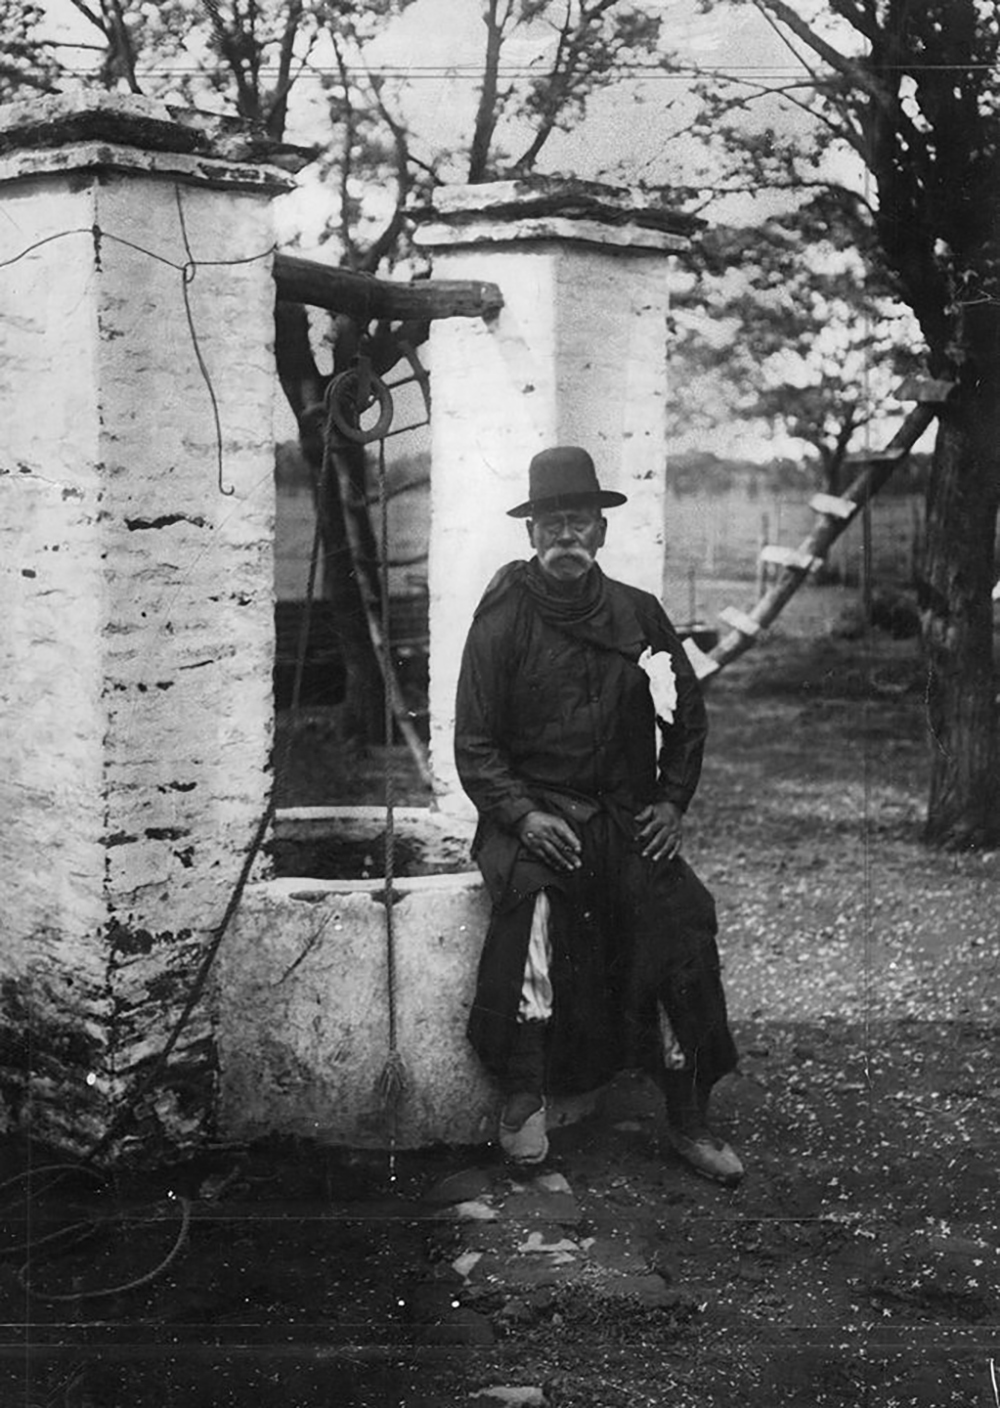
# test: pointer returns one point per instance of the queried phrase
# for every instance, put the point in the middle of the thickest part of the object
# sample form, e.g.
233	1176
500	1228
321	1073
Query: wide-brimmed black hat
564	477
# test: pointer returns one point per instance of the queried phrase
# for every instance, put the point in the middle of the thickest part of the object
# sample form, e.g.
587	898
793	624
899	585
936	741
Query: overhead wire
473	71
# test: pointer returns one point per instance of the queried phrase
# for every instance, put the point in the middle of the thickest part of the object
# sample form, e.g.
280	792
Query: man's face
567	542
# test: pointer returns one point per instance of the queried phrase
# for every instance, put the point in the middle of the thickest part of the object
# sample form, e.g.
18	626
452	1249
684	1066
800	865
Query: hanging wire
187	271
187	277
99	235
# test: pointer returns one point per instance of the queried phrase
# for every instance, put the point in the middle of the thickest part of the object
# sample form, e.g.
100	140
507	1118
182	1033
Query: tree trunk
957	617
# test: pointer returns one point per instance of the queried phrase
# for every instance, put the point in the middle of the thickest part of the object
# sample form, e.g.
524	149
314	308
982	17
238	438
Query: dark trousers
626	936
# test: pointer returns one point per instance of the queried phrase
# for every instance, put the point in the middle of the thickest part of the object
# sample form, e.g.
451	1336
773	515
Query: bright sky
630	132
634	133
430	59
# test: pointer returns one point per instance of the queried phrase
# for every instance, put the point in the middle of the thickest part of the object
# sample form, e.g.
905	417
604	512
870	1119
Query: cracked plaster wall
136	635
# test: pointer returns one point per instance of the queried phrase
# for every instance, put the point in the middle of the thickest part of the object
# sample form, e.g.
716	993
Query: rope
27	1174
133	1285
392	1083
365	390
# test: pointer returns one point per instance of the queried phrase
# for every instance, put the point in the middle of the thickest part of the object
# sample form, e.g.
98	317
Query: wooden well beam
365	298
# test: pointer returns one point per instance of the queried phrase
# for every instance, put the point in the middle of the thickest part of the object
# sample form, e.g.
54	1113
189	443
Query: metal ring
377	392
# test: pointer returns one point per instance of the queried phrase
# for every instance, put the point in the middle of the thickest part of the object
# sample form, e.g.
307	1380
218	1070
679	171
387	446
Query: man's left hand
660	828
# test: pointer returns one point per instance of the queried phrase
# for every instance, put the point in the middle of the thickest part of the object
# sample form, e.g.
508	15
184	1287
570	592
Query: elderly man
579	737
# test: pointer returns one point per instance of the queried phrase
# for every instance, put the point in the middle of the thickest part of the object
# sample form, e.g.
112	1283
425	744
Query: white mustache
577	554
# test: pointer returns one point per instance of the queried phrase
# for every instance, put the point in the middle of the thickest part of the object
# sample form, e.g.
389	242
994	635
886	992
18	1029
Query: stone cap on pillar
553	208
128	132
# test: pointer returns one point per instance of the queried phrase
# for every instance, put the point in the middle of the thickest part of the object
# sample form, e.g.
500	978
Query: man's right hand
550	839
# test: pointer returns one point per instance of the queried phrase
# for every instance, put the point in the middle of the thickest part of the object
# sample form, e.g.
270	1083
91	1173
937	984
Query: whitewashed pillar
136	629
578	355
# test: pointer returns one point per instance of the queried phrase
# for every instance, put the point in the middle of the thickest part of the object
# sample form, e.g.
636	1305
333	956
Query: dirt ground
855	1265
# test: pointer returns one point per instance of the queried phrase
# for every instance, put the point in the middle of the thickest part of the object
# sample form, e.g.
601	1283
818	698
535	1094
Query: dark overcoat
556	714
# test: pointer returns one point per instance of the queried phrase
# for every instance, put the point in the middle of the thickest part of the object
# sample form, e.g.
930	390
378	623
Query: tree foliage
897	108
28	63
792	329
266	60
909	90
583	46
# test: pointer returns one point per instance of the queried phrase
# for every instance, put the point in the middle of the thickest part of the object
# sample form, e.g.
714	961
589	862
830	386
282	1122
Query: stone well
578	354
137	642
304	1025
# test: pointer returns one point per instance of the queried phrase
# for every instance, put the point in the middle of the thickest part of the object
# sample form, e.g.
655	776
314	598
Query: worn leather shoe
706	1153
523	1136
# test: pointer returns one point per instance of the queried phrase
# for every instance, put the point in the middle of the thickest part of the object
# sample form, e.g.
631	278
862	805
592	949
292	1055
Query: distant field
812	611
713	532
720	535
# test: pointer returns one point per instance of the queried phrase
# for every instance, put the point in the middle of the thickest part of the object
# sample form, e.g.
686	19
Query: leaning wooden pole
375	618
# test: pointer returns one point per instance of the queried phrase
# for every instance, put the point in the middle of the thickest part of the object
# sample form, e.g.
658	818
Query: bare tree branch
559	76
347	157
856	73
278	106
89	15
231	52
841	126
389	237
122	58
487	110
